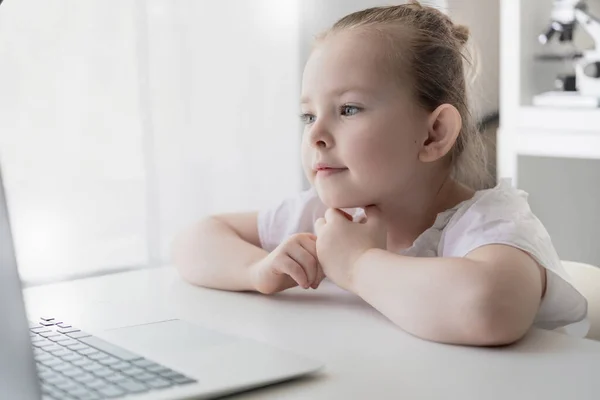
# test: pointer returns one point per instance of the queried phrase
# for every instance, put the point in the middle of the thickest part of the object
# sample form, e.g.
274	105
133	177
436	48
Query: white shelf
563	119
560	143
552	142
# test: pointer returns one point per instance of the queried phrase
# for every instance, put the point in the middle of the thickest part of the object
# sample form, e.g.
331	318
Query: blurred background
122	122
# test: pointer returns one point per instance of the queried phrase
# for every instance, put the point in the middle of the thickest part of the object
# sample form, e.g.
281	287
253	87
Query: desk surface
366	356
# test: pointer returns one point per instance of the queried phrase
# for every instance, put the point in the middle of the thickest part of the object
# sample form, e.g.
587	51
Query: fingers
319	224
290	267
286	282
331	214
320	277
306	261
309	244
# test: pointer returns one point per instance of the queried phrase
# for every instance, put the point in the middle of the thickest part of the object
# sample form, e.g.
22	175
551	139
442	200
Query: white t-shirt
500	215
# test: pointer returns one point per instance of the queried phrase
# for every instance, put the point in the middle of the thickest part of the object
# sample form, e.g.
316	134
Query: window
121	124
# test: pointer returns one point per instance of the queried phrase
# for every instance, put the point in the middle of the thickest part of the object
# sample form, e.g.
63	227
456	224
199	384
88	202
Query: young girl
388	133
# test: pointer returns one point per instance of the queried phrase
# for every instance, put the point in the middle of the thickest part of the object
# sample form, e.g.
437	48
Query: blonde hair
437	59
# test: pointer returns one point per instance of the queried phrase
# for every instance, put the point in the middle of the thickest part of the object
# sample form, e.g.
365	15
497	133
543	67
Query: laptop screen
18	377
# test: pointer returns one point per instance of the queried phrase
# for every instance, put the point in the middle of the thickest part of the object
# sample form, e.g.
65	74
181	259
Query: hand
340	242
294	262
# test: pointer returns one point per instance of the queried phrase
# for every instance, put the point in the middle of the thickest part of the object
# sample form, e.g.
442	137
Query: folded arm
218	251
489	297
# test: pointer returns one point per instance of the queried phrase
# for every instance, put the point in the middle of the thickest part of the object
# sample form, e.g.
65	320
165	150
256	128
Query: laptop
48	358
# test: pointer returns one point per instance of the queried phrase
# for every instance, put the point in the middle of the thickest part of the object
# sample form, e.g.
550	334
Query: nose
320	136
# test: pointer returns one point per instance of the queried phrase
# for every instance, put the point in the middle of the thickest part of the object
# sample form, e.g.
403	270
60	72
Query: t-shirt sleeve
293	215
504	217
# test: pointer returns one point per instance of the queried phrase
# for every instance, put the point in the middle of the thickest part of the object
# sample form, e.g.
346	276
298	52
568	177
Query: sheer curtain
121	122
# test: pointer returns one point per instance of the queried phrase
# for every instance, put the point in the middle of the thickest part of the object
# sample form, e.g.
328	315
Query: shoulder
492	216
502	215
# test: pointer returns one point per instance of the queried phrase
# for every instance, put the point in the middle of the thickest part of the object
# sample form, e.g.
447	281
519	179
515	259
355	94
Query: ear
443	126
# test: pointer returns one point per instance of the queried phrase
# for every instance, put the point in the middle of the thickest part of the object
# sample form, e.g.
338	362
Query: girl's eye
349	111
307	118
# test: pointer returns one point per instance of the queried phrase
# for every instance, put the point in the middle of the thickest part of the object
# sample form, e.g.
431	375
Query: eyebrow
338	93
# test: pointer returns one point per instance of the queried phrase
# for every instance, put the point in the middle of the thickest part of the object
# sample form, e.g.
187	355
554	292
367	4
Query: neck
418	209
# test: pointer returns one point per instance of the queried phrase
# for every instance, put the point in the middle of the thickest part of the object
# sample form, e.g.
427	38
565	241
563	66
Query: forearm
451	300
211	254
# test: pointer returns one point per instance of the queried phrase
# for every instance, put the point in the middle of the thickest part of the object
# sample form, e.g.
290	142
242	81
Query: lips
323	169
327	167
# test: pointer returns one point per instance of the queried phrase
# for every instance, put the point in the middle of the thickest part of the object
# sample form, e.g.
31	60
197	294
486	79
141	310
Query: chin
338	198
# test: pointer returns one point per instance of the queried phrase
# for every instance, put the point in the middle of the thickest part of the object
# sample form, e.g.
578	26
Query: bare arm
490	297
218	251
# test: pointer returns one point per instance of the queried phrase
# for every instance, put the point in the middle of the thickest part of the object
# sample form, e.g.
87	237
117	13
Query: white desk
366	356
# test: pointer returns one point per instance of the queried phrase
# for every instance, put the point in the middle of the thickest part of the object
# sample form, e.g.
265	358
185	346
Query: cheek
306	156
383	151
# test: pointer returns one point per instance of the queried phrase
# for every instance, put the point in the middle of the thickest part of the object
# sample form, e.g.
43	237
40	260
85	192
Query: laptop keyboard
73	364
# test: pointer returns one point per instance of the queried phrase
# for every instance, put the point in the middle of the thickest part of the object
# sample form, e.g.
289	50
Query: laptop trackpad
172	342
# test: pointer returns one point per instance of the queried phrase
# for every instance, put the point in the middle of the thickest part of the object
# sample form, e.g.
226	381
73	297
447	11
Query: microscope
583	88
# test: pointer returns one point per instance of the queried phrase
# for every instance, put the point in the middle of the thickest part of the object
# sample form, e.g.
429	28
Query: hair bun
461	33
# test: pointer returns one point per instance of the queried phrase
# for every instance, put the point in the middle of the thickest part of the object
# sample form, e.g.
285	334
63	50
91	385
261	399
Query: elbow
497	319
492	330
185	252
180	256
187	273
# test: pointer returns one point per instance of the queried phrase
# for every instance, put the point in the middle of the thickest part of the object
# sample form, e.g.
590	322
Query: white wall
482	18
121	124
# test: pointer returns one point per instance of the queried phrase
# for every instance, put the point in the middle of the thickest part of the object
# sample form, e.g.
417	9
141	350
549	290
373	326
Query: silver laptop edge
18	375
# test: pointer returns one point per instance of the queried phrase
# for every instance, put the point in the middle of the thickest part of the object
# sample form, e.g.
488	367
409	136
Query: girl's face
363	130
